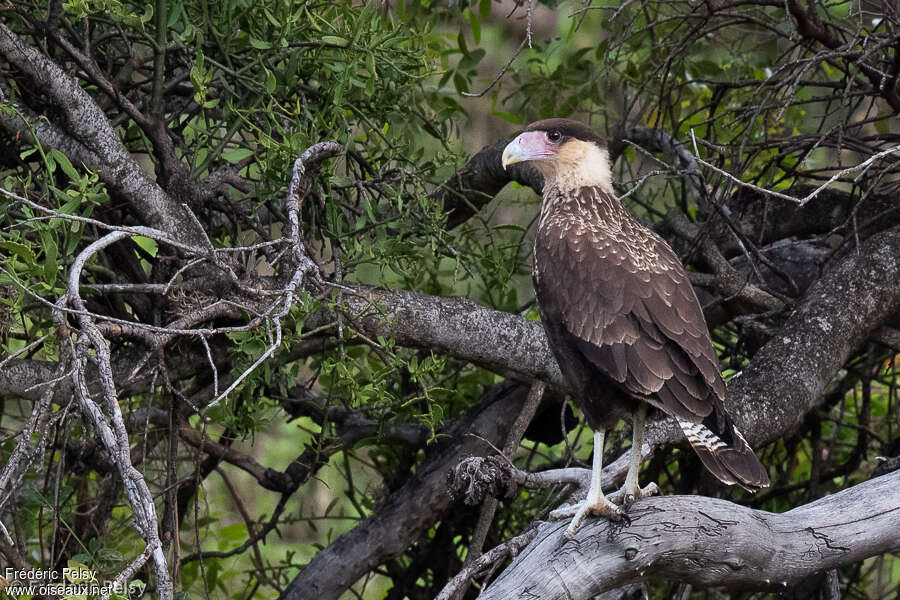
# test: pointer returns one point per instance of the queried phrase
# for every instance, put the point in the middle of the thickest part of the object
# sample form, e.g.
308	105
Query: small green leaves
260	44
335	40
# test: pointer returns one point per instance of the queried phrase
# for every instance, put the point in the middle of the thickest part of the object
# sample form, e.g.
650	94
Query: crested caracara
621	316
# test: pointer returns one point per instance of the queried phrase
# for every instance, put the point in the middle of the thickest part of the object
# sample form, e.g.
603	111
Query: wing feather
617	301
635	318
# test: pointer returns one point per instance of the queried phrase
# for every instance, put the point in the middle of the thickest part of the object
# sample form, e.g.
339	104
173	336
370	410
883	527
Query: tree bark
706	542
413	508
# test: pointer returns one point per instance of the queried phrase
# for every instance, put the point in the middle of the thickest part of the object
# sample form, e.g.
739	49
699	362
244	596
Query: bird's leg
595	503
632	490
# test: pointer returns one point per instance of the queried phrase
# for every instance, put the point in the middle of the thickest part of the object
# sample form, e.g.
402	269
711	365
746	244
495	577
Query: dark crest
568	128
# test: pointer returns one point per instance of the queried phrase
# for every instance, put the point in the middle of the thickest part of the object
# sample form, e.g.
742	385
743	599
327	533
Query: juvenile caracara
621	316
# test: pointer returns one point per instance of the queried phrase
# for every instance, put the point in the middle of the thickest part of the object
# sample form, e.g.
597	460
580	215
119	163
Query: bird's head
566	152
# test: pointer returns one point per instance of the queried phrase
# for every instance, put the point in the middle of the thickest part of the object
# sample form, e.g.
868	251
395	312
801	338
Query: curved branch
110	428
706	542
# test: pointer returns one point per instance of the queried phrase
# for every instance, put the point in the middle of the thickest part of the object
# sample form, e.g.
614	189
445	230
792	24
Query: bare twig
298	187
863	166
510	547
489	507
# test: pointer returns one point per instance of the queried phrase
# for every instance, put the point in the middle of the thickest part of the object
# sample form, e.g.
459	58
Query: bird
621	318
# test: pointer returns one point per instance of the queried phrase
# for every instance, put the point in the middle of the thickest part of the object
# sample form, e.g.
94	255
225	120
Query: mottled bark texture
706	542
499	341
839	312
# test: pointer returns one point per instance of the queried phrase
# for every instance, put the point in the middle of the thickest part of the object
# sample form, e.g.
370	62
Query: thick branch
499	341
788	376
411	510
36	129
480	180
707	542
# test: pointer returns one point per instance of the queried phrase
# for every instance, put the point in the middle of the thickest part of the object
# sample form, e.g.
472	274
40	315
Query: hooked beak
531	145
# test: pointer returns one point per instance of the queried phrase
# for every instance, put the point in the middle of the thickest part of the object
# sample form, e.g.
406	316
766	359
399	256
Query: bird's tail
725	452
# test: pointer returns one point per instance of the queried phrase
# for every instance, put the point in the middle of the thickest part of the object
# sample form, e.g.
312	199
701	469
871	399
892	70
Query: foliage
242	88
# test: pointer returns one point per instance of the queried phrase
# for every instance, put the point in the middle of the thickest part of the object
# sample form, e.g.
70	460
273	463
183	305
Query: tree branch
706	542
480	180
412	509
89	125
499	341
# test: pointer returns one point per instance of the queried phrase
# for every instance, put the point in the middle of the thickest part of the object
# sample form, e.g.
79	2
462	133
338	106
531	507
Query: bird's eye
554	136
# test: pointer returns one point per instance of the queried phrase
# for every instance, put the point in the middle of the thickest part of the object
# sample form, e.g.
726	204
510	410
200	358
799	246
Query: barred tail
732	463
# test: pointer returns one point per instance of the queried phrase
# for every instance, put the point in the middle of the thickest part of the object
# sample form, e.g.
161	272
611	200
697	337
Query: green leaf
77	572
475	23
51	253
236	155
20	250
472	59
233	533
461	40
260	44
175	13
461	83
63	161
149	245
335	40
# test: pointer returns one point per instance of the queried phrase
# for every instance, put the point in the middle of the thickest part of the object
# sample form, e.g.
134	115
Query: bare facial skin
566	163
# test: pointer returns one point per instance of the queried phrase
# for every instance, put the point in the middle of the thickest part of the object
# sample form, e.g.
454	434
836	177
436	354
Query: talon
601	508
626	496
563	512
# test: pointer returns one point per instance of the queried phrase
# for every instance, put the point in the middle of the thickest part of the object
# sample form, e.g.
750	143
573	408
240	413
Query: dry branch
110	427
707	542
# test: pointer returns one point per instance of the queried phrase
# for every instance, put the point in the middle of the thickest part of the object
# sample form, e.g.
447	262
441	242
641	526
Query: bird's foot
601	507
628	494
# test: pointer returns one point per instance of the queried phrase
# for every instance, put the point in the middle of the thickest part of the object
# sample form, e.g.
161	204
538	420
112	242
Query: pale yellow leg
595	503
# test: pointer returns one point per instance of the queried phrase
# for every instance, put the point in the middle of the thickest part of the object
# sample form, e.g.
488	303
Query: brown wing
630	310
616	299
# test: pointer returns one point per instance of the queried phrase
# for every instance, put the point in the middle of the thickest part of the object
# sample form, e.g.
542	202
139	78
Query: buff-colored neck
576	165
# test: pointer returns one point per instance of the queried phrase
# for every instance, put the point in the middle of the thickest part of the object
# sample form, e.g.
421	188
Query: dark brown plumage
620	313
